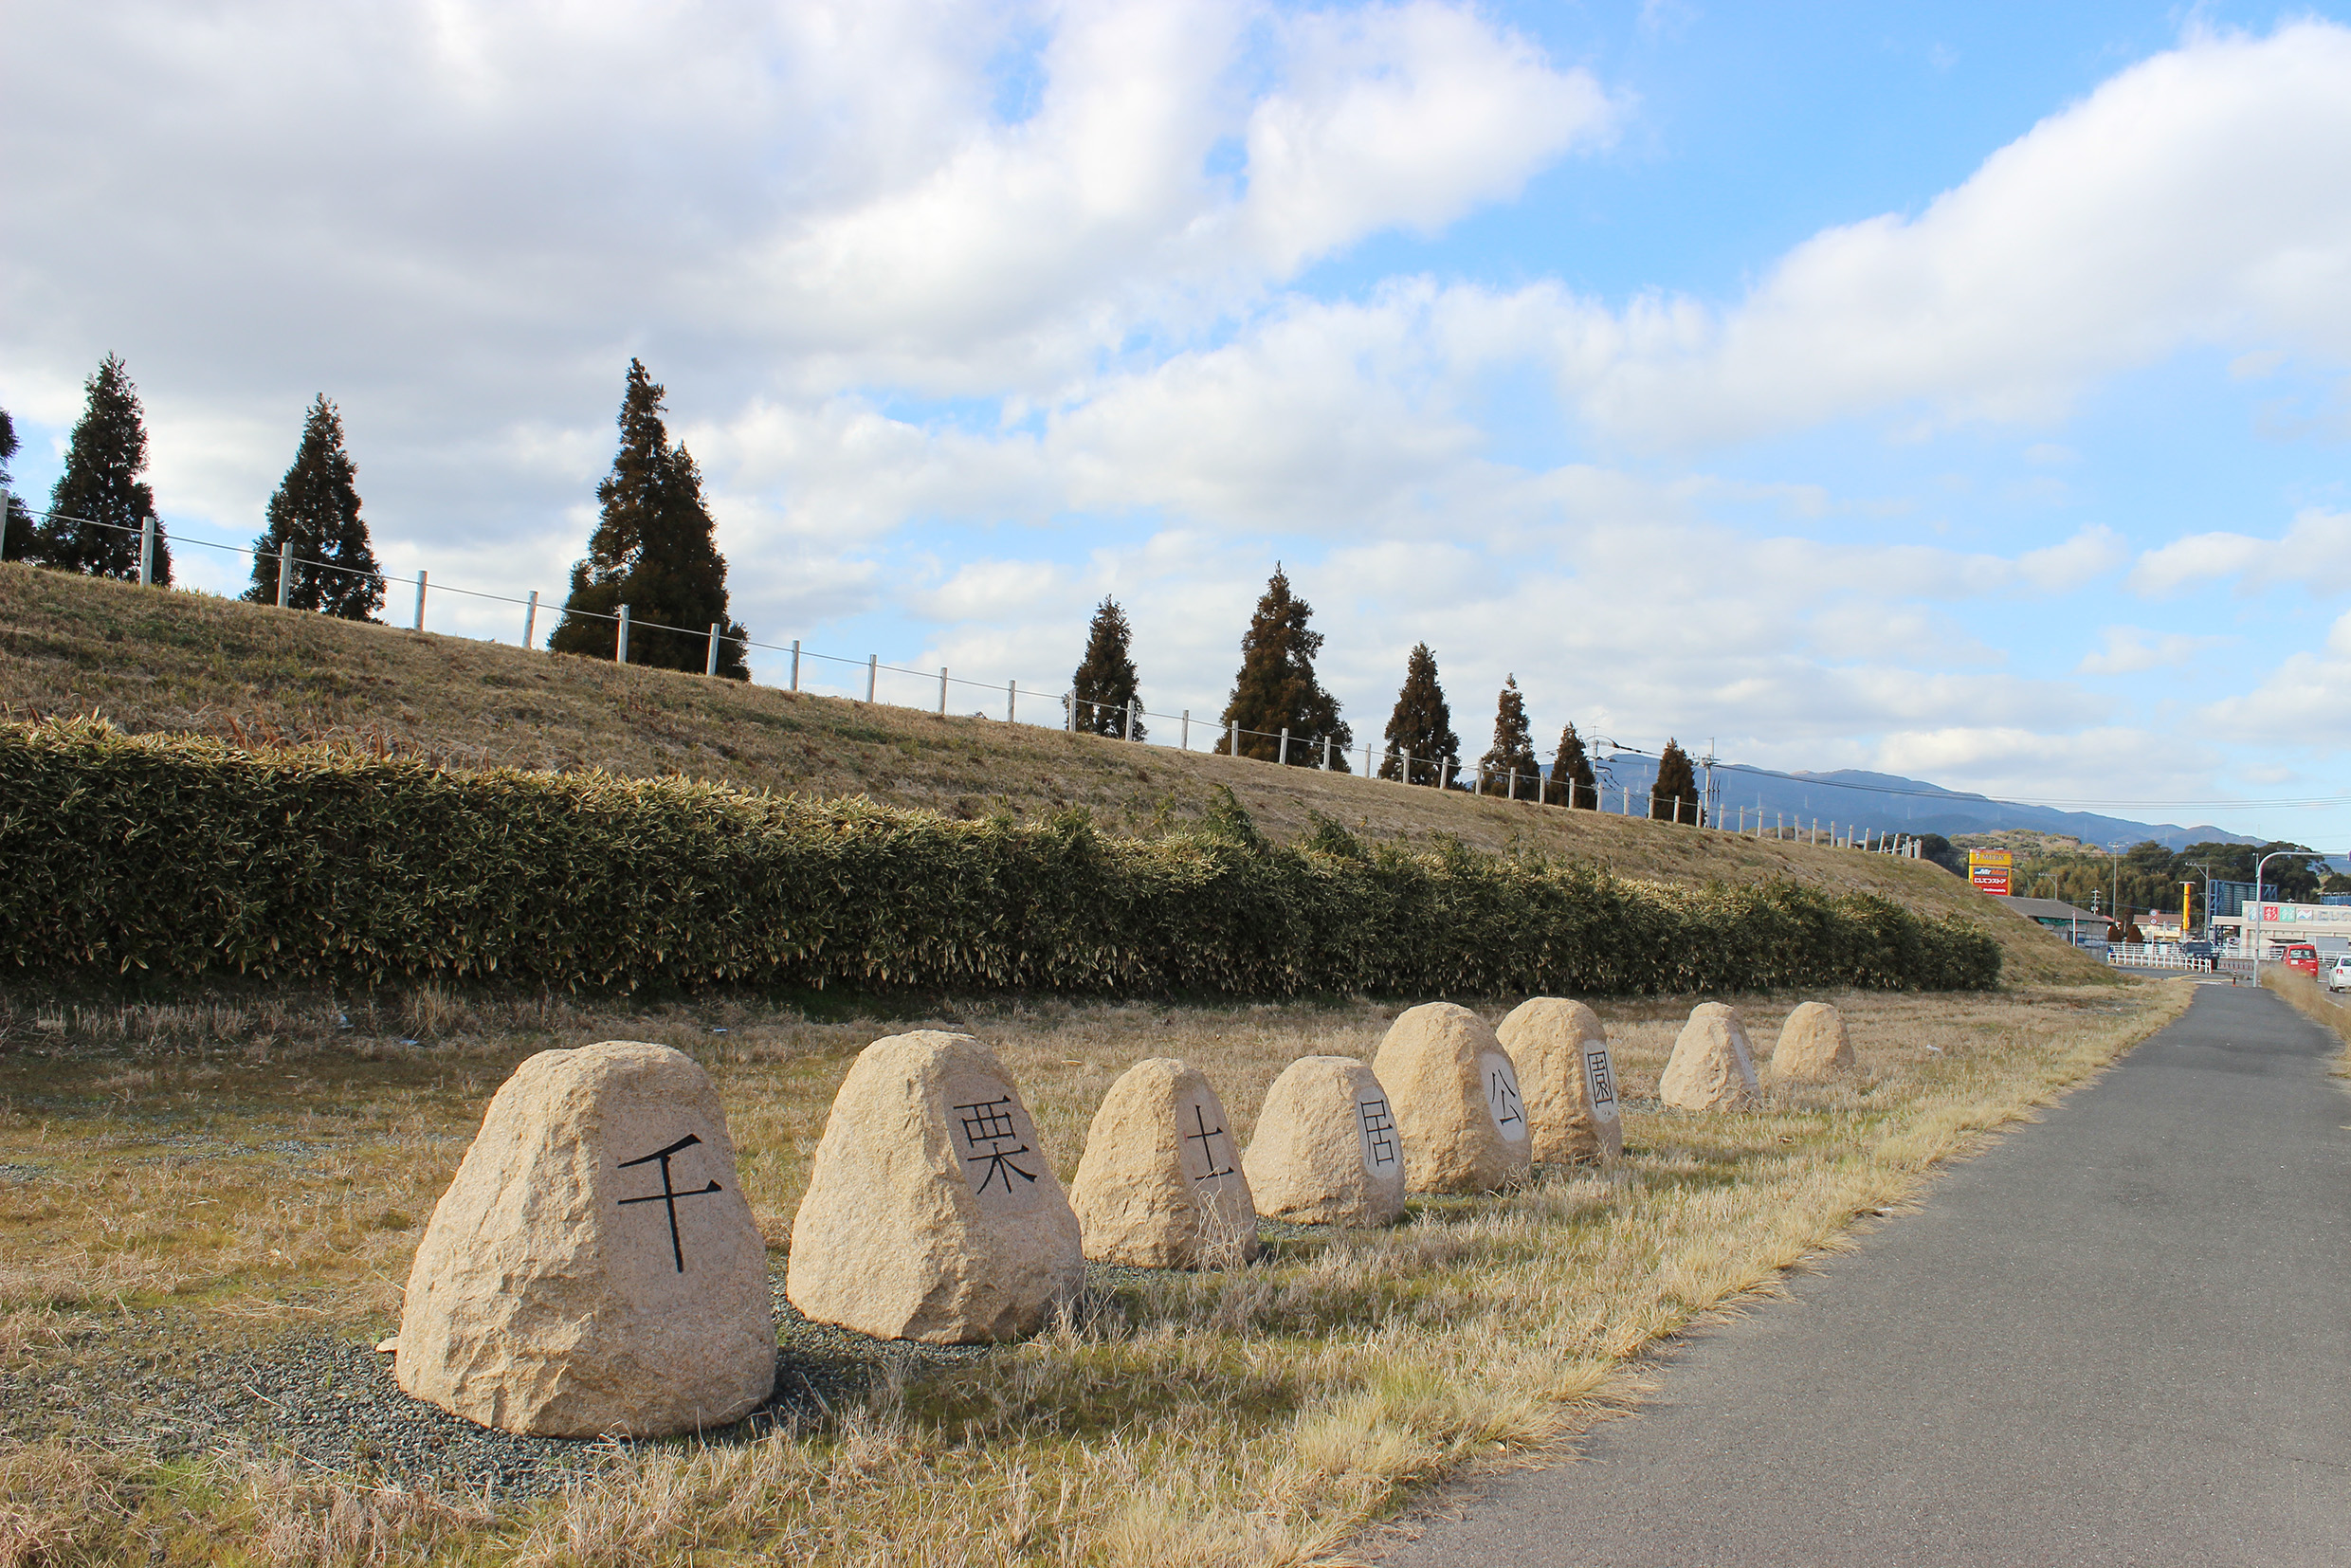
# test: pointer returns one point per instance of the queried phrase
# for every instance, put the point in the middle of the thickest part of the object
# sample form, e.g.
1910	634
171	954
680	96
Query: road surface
2120	1336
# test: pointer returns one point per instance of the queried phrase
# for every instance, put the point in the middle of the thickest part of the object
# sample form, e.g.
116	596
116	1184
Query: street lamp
2258	922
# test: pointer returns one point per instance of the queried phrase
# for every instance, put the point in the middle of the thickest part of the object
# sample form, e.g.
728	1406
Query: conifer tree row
1674	795
16	523
1421	727
653	550
1572	781
1513	751
1277	688
314	515
1104	685
99	504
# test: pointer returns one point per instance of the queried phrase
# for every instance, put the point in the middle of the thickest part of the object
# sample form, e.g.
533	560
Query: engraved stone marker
593	1268
1455	1095
1561	1054
1712	1066
1814	1045
932	1212
1161	1184
1325	1150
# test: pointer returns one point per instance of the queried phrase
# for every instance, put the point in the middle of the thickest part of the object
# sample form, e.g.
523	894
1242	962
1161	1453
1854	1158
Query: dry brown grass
2314	1000
183	662
243	1160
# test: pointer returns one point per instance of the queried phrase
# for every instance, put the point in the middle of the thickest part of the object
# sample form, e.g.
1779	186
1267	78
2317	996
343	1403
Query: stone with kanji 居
1325	1150
1713	1064
1161	1185
932	1212
1455	1092
1813	1045
593	1268
1568	1077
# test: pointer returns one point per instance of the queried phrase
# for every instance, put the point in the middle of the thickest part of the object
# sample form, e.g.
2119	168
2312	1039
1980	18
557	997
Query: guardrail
1131	723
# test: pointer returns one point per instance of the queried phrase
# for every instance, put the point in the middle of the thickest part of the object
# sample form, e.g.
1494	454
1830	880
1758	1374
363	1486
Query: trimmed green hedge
182	856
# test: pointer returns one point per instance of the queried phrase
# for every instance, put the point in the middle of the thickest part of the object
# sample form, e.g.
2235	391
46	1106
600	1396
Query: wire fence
1130	724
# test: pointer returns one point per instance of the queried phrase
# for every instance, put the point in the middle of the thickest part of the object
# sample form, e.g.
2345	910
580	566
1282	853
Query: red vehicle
2300	956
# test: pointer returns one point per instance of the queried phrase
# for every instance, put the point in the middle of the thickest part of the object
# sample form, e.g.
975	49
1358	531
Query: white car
2339	974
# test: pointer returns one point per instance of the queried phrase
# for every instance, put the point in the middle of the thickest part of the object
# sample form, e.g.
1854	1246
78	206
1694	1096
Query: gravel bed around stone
329	1402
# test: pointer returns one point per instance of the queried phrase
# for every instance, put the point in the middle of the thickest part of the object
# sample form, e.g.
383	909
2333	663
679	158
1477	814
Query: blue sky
1949	391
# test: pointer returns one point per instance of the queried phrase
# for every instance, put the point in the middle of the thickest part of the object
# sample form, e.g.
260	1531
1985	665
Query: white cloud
2303	701
2131	651
2305	555
2202	196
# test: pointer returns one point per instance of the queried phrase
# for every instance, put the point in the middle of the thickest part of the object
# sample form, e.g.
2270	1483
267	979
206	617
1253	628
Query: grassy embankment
183	1182
181	662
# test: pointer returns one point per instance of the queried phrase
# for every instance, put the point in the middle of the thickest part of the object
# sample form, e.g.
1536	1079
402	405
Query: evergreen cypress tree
100	486
1572	781
1513	750
652	550
16	524
1422	726
1105	681
1277	689
1676	781
316	514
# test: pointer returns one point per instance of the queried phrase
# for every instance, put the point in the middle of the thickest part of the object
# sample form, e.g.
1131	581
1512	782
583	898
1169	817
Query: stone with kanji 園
932	1212
1325	1150
1161	1185
1567	1077
1455	1092
593	1268
1813	1045
1713	1066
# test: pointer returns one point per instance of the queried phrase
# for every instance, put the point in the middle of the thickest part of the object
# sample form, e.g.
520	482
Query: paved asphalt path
2120	1336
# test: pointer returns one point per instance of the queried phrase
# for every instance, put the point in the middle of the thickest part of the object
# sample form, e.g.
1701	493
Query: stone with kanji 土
593	1270
1568	1078
1813	1045
932	1212
1161	1185
1712	1067
1455	1092
1325	1150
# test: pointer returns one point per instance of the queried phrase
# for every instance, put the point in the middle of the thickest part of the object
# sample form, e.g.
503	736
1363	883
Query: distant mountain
1889	802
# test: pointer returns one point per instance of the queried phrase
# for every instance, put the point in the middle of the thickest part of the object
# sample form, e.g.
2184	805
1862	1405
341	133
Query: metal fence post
147	552
1327	753
795	664
285	576
1012	698
620	637
1131	704
710	666
420	601
530	619
1235	743
1184	740
942	691
1477	782
1281	757
1070	712
873	673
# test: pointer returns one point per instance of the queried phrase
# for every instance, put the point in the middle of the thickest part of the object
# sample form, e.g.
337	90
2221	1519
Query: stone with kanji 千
593	1268
1568	1077
1455	1092
1713	1066
932	1212
1325	1150
1161	1185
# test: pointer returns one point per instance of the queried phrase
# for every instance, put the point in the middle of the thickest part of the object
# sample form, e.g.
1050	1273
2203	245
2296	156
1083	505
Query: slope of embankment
176	662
